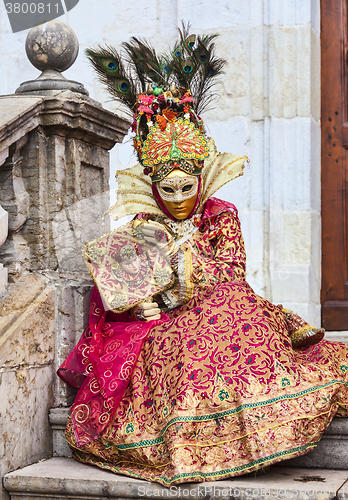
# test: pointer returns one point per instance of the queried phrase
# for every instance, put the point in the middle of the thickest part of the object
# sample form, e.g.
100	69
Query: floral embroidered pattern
217	390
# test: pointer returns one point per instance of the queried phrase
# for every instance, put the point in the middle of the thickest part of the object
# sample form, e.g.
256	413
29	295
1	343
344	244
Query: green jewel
175	151
343	368
285	382
222	395
129	428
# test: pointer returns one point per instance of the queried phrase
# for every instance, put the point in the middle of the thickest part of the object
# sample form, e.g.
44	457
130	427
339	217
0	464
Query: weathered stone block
290	59
331	452
3	236
26	372
296	237
341	336
20	295
3	279
214	16
27	335
26	396
13	195
288	12
72	303
258	73
57	149
18	115
315	72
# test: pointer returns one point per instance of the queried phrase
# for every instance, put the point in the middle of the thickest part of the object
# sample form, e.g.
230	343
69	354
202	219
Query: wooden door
334	155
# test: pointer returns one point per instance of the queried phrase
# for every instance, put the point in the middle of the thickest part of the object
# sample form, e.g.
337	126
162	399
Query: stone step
64	478
341	336
331	452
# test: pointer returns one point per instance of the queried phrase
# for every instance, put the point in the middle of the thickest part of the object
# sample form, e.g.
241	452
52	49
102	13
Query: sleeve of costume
226	261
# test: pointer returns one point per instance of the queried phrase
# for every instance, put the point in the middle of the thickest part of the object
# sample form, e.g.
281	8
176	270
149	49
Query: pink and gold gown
212	390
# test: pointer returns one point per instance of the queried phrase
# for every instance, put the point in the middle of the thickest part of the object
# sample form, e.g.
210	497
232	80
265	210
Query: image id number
32	8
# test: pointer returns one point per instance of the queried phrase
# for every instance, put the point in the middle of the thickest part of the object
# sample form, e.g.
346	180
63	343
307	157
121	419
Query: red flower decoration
145	109
186	98
146	99
213	319
134	124
196	221
234	347
190	344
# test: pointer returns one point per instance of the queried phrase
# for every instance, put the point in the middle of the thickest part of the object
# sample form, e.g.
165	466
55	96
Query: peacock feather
143	60
111	72
191	65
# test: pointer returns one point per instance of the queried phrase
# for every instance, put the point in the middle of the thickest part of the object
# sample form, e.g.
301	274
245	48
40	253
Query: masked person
207	380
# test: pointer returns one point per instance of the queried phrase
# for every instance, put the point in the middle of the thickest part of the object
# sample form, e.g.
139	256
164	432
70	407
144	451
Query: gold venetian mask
178	192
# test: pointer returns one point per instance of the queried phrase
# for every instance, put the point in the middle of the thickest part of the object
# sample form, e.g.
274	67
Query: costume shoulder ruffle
215	206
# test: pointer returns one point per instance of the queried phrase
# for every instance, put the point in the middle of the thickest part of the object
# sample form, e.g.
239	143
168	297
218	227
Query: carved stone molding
63	113
53	154
3	225
3	237
14	198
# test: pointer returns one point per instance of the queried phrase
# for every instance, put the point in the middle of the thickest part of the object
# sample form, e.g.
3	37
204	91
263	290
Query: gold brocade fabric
218	391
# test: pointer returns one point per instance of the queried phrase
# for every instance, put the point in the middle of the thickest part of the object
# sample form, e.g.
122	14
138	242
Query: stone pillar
55	184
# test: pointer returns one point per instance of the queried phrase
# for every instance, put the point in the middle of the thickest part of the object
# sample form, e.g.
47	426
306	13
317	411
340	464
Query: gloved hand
146	311
158	235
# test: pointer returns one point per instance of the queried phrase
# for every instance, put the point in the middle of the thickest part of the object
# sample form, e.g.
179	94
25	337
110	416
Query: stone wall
27	319
269	109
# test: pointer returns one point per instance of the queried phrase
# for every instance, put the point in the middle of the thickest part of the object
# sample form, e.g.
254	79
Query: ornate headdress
127	252
165	95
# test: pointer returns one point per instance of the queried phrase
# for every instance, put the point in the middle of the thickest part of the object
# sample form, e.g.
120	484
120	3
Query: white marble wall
269	109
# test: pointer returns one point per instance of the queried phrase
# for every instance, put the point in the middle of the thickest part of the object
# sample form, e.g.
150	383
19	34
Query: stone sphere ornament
52	48
53	45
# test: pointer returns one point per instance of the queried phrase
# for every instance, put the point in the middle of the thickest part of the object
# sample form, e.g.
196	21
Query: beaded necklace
181	228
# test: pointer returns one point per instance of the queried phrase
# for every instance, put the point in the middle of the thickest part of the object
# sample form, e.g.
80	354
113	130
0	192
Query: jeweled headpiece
128	252
165	95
